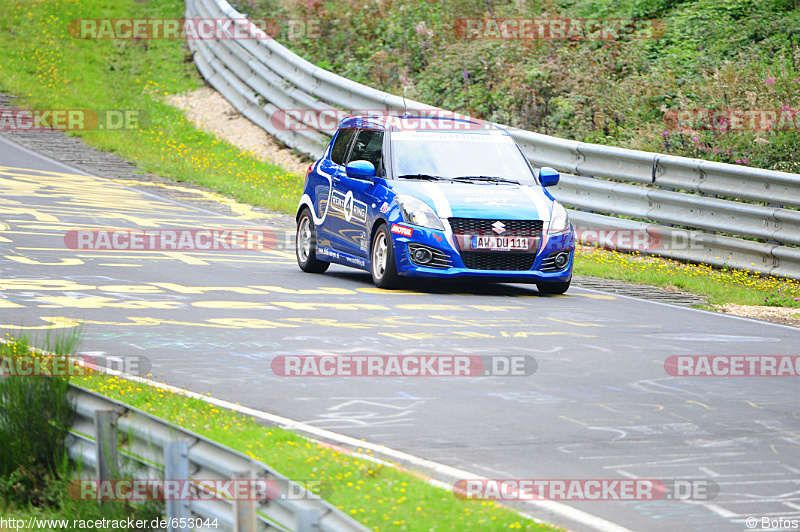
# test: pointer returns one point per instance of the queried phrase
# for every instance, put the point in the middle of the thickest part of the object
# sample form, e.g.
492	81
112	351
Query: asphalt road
600	404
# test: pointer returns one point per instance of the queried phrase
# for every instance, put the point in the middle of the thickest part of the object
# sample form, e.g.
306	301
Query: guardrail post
307	521
244	511
106	441
176	467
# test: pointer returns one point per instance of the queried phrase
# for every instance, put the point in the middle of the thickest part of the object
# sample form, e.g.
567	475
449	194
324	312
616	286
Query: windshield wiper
423	176
489	178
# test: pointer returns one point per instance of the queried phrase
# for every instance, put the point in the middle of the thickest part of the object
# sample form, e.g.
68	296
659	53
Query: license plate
499	242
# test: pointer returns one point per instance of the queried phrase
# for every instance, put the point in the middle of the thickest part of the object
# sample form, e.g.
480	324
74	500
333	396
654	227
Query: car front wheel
383	267
306	245
553	288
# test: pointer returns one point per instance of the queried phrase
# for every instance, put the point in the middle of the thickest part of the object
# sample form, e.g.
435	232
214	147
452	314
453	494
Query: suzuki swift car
433	197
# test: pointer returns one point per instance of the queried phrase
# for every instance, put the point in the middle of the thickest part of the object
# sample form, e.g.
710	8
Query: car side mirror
548	177
360	170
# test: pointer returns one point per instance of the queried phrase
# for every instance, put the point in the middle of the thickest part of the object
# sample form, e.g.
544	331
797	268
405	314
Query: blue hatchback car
433	197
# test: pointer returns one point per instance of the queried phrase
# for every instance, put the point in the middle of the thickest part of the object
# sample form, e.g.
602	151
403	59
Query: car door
332	167
352	198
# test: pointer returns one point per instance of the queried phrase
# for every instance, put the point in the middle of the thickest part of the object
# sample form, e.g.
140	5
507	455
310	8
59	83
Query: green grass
719	285
48	69
8	511
70	511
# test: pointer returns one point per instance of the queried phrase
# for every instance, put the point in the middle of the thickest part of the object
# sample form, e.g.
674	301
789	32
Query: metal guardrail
721	204
156	449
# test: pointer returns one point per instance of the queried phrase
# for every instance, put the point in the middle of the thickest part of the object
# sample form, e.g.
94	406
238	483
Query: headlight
559	221
417	212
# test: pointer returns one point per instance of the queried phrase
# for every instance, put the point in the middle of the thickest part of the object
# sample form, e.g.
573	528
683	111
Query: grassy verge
719	285
379	497
49	69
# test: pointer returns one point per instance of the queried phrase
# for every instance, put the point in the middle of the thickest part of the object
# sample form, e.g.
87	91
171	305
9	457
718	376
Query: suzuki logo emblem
499	227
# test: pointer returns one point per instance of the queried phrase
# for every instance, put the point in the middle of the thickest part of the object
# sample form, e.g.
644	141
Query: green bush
36	414
713	54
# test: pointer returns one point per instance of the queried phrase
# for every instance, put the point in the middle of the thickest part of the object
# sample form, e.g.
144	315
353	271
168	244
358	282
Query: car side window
368	146
339	150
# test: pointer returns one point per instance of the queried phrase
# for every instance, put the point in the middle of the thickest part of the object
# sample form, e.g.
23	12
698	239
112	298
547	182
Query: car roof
411	121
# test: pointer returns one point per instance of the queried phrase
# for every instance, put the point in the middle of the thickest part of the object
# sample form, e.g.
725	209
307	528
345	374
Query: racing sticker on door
354	210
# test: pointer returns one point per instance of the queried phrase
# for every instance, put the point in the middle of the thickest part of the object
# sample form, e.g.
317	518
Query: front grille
440	260
479	260
484	226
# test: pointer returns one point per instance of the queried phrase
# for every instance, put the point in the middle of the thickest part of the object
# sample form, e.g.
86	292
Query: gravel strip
212	113
640	291
782	315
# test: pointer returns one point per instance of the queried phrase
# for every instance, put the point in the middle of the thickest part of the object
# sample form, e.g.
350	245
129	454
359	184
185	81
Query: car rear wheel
306	245
553	288
383	267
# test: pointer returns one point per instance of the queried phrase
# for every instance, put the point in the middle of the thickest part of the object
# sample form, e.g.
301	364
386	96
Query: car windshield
459	155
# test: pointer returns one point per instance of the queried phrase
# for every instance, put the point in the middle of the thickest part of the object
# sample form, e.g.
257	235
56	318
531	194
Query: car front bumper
439	242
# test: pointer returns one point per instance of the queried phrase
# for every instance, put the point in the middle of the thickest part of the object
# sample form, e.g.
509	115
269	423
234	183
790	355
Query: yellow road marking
241	210
336	291
37	215
337	306
329	322
525	334
185	257
698	403
249	323
54	323
26	260
42	284
574	421
234	305
106	302
130	289
593	296
577	324
203	289
376	290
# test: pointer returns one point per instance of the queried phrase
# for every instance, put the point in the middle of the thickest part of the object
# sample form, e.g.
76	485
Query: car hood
480	200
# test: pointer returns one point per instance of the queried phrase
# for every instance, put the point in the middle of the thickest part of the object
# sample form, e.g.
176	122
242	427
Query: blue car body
491	229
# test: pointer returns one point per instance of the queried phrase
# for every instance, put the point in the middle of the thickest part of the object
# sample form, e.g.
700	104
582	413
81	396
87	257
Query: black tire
382	264
553	288
306	244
